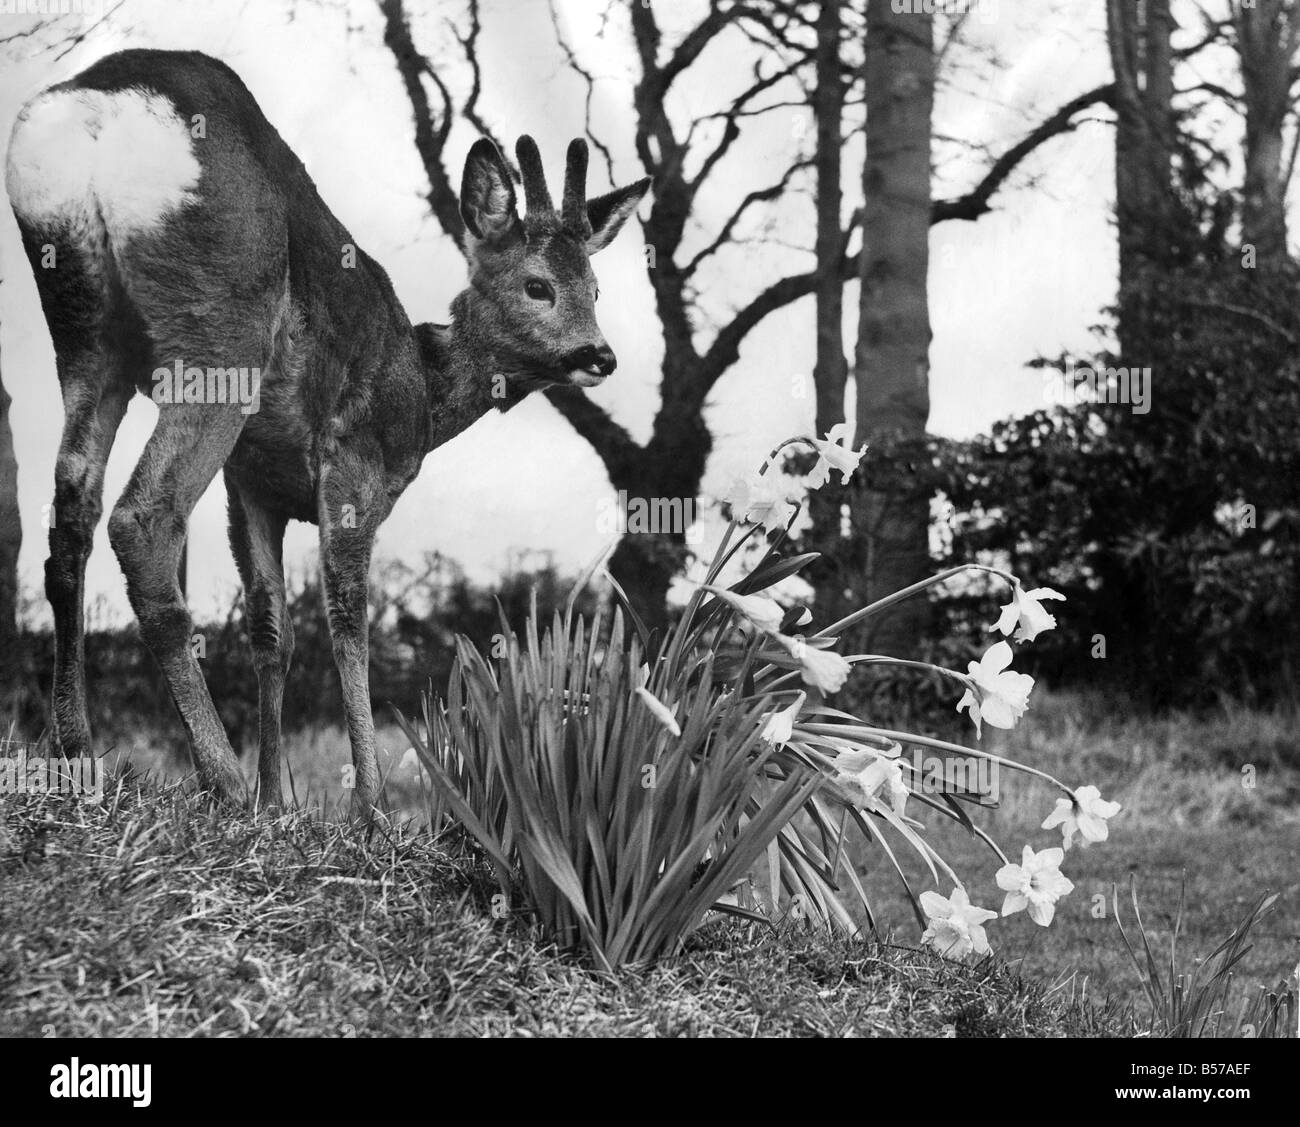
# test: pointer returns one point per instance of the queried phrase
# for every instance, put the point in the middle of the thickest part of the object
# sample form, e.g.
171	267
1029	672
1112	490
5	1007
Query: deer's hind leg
98	345
257	540
94	400
147	530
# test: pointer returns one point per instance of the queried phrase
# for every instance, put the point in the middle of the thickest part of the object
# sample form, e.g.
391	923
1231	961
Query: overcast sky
1029	279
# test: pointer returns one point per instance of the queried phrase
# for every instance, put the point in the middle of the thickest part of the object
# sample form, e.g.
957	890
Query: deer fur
201	247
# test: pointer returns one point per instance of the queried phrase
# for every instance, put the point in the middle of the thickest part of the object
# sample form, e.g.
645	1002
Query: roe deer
158	245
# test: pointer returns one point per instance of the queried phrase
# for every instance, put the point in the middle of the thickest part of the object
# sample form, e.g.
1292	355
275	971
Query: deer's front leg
351	503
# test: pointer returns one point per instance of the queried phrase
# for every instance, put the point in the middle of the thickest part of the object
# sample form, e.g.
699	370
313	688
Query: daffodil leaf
772	570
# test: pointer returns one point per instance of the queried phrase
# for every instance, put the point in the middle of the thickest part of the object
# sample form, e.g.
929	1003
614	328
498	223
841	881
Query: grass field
148	914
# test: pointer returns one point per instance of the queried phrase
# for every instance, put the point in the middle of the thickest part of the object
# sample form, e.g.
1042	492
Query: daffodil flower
834	453
1087	819
1036	884
995	694
956	926
659	710
764	613
755	501
780	725
1025	614
862	777
824	670
410	762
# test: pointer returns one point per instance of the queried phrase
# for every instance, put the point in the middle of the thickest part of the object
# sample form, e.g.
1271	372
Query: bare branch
976	202
699	37
1244	311
469	44
571	57
1216	90
74	41
429	132
611	442
731	130
759	195
725	349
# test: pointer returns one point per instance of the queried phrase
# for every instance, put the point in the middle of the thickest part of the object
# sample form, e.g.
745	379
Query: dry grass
150	915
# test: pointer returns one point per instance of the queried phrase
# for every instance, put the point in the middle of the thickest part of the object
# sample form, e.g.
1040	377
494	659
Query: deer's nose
598	359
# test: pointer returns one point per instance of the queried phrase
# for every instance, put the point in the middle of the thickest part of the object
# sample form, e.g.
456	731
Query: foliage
1193	1001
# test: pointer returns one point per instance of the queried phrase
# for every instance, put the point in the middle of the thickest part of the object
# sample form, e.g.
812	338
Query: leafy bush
1175	531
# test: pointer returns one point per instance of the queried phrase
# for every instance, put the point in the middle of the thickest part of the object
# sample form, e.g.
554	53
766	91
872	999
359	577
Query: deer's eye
538	290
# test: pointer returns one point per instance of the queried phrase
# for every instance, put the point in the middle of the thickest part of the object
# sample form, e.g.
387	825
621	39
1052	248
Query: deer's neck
458	379
464	378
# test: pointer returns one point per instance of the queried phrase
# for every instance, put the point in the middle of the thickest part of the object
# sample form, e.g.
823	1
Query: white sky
1030	278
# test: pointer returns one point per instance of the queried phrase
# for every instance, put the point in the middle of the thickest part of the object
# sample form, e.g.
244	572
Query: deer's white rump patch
127	153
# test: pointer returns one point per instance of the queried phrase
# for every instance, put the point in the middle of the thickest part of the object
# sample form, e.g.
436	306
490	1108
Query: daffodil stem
906	593
943	745
881	659
781	446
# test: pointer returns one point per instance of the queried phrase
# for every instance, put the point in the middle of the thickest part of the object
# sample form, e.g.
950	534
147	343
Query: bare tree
682	157
1267	36
672	463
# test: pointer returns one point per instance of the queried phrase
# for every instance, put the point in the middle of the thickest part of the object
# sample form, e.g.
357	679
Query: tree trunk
830	371
892	355
1138	37
659	484
1266	40
645	566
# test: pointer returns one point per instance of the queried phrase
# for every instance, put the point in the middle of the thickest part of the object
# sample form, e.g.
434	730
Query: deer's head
532	292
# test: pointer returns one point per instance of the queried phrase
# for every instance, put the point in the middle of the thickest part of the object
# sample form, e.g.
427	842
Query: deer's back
161	182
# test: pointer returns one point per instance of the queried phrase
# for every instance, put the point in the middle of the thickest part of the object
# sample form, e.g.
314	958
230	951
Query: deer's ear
609	212
487	195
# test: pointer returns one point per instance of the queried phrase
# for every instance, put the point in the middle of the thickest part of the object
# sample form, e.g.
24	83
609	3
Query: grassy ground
1186	815
149	914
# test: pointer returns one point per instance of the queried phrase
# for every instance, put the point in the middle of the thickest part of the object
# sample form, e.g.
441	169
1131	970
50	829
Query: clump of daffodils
864	776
